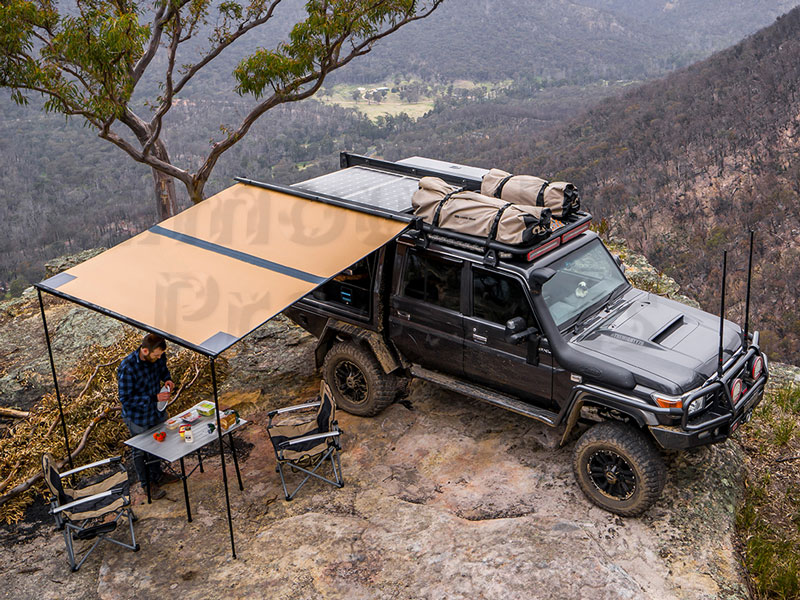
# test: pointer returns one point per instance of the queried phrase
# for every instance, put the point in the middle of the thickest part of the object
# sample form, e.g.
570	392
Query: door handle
481	339
404	315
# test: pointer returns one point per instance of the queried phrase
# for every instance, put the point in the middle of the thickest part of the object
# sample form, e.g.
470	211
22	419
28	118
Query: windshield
584	281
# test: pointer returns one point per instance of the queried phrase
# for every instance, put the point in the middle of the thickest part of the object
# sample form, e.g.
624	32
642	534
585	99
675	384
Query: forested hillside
682	167
577	41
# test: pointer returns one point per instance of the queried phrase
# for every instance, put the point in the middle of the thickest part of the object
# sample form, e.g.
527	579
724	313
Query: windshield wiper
615	293
595	306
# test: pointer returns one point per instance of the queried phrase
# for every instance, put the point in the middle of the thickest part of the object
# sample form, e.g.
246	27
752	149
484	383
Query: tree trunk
166	199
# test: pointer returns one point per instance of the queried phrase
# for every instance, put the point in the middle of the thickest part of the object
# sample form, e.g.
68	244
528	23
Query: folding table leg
235	462
200	461
185	492
147	480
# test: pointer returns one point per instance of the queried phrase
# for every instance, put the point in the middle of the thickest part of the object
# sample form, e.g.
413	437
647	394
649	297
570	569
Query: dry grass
94	404
768	521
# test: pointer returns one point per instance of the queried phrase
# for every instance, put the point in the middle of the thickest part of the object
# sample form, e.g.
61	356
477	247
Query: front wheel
357	380
618	468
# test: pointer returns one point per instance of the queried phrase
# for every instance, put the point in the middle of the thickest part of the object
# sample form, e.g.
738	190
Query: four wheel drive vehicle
553	331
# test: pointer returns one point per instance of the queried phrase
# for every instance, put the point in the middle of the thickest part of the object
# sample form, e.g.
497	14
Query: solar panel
390	191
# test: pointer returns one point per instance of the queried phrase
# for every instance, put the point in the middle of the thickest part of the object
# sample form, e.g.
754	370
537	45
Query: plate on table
190	416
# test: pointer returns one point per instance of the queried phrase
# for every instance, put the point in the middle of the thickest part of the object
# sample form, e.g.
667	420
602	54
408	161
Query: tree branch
330	63
243	29
26	485
12	413
159	20
166	101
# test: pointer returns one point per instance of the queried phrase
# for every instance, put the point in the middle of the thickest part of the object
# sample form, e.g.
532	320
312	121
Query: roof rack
492	250
420	232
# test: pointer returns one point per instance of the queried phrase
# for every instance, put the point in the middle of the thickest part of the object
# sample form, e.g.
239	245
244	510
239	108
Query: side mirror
517	330
619	262
539	277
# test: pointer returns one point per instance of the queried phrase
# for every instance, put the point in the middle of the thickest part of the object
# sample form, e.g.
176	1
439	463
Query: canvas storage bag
469	212
560	197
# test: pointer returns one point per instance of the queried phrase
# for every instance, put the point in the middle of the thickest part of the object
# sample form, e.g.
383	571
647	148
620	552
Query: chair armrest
113	459
309	438
73	504
279	411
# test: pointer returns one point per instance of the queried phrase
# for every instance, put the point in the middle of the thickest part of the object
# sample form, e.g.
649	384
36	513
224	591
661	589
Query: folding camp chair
80	513
307	446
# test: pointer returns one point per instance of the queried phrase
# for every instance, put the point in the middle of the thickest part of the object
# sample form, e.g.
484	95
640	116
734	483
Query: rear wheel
618	468
357	380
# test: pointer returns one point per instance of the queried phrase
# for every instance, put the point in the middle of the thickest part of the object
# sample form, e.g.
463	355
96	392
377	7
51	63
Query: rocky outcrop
445	497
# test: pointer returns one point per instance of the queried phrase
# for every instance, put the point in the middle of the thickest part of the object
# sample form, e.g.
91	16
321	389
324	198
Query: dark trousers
140	457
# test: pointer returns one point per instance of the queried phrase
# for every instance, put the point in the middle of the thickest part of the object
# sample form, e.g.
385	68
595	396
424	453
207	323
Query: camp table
175	448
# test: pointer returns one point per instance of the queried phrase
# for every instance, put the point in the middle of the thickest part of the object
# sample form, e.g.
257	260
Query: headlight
736	389
756	367
698	405
665	401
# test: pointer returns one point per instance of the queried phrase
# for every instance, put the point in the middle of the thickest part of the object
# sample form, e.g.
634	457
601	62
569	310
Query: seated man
140	377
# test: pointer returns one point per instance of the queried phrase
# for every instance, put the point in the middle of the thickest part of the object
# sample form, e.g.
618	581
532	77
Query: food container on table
205	408
173	423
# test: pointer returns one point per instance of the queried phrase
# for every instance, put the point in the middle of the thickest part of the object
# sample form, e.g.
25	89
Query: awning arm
222	453
55	380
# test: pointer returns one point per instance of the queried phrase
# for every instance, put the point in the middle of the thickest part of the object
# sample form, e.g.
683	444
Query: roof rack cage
493	249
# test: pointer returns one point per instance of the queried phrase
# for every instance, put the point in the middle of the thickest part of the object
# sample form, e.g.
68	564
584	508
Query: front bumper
718	424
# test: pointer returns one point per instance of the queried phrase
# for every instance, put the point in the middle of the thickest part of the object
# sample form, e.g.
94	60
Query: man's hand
171	385
163	397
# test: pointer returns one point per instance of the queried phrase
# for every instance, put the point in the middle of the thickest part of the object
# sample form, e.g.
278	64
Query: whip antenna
722	311
745	341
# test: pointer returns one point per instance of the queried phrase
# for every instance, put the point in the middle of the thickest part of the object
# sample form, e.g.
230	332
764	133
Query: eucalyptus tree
89	58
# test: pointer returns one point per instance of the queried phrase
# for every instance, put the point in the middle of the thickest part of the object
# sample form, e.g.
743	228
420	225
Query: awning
218	270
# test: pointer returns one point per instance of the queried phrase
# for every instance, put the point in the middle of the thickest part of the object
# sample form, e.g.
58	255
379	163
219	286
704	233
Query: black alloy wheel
618	468
611	474
357	380
350	382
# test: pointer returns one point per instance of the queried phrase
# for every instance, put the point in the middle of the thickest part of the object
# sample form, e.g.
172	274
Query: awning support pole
222	454
55	380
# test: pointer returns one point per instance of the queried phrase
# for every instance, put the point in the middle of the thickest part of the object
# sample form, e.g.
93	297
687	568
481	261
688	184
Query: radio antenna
745	340
722	311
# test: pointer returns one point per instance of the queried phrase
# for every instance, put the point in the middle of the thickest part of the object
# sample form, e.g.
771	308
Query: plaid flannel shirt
139	383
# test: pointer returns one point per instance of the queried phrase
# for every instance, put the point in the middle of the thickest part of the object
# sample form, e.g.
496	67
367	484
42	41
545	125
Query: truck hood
668	346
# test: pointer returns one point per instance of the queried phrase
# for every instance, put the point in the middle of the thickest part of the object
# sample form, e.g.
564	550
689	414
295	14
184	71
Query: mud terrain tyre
357	380
618	468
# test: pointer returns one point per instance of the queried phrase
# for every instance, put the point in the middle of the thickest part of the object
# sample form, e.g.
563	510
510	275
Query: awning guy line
247	258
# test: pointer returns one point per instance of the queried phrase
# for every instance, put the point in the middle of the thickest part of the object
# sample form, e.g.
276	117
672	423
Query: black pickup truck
554	332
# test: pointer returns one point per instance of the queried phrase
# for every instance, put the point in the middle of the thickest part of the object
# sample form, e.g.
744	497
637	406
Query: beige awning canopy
215	272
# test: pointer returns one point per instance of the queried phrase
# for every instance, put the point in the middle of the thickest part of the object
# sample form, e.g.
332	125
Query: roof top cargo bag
560	197
469	212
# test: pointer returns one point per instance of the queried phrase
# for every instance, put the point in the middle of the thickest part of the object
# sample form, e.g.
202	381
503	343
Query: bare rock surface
444	498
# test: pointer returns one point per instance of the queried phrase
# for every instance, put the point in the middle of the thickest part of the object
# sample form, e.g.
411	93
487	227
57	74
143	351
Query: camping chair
307	446
80	513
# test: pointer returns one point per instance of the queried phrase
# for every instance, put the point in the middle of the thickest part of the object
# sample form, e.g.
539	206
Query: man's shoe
167	478
156	493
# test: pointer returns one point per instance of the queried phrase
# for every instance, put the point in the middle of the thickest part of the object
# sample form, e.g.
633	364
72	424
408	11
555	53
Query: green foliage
313	42
84	66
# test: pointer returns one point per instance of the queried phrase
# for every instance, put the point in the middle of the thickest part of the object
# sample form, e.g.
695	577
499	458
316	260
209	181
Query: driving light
756	367
736	390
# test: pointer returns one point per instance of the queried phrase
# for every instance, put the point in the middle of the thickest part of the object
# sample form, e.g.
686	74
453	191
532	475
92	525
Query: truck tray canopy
210	275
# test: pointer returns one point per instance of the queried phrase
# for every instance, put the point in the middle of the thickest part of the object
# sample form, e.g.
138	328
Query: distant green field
394	102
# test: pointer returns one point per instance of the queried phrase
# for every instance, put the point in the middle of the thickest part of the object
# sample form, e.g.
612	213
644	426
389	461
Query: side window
432	279
498	298
350	289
